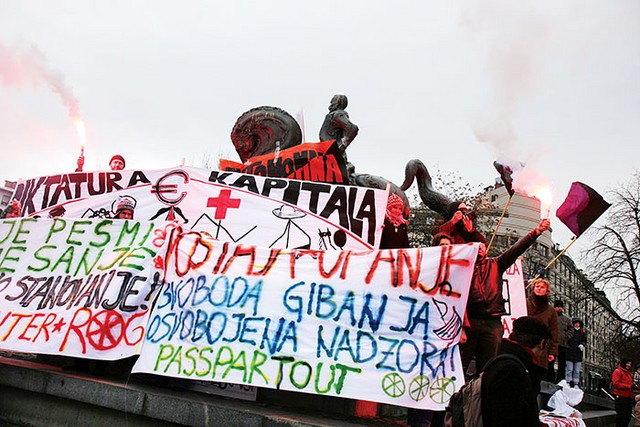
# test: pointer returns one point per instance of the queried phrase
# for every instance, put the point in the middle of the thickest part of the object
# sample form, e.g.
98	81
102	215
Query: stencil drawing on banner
452	322
296	239
163	191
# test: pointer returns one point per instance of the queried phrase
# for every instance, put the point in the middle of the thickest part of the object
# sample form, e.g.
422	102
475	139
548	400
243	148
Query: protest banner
514	296
375	325
242	208
310	161
76	287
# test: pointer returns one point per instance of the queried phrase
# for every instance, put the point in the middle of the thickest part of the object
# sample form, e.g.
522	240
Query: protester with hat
394	230
125	208
565	330
575	352
510	386
117	163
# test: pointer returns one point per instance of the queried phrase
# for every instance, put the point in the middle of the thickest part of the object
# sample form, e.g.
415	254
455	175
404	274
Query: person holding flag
485	305
505	175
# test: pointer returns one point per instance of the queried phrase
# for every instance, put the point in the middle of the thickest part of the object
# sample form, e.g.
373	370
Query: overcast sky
456	84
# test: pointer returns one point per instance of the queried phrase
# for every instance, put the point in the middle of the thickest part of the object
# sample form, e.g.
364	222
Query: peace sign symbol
393	385
442	389
108	326
419	387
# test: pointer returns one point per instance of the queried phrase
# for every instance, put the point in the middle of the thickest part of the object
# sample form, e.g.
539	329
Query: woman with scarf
394	231
538	306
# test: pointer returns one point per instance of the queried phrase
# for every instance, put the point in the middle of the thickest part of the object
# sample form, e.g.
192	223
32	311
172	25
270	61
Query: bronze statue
338	126
264	130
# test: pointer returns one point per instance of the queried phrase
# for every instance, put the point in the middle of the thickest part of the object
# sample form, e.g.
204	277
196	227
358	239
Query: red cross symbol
222	203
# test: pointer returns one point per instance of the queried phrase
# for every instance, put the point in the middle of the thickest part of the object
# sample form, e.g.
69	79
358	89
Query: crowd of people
539	341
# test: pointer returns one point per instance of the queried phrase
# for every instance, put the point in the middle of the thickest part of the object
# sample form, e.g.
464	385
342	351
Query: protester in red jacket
622	381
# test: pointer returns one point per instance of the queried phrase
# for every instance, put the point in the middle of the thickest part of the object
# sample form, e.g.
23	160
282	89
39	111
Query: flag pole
554	259
499	222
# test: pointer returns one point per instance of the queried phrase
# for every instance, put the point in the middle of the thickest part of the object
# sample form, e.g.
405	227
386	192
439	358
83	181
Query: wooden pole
554	260
499	222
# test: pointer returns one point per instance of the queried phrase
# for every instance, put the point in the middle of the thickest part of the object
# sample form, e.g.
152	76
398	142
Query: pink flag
582	207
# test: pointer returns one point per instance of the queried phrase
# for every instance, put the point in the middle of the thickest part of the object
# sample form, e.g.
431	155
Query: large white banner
241	208
374	325
77	287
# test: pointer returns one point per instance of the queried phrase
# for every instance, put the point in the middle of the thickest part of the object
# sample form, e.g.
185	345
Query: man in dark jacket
565	331
510	386
485	305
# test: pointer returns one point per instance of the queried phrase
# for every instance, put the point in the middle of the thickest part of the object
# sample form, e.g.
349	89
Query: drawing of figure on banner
295	238
326	243
221	205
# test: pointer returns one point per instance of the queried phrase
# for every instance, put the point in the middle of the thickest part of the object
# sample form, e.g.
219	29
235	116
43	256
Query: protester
538	306
394	231
117	163
423	417
622	382
125	208
485	305
441	239
13	210
565	330
575	353
509	388
459	224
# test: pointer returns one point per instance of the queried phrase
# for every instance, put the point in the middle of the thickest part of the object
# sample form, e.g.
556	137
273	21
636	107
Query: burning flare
543	193
81	130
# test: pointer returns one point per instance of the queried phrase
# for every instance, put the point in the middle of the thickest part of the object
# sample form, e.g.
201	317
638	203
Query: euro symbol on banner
160	189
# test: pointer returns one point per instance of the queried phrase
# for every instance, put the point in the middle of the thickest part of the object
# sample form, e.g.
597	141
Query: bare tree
615	256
